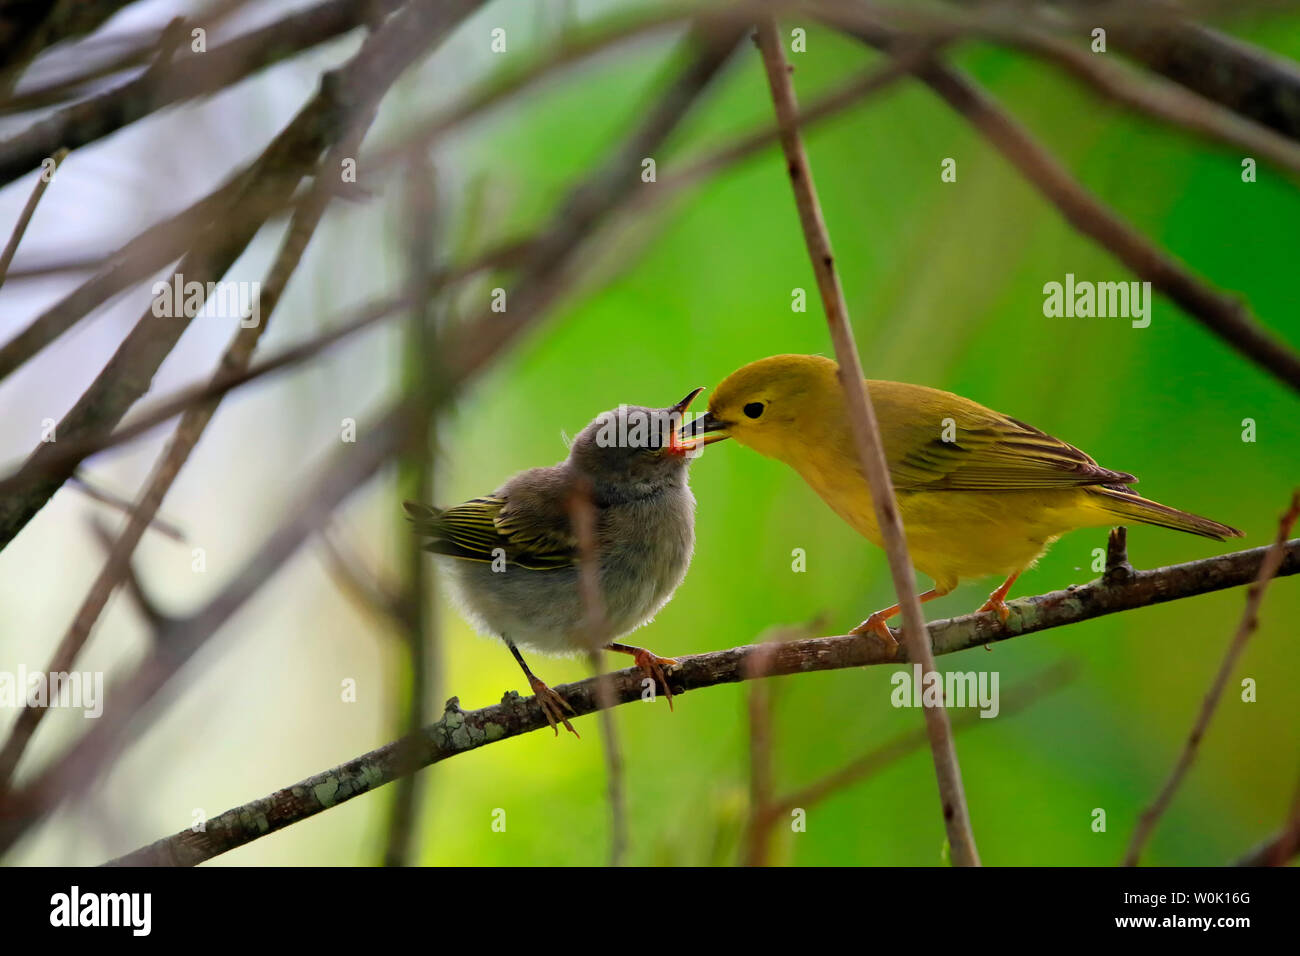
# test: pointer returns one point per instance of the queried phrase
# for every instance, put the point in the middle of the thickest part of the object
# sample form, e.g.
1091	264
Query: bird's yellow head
775	406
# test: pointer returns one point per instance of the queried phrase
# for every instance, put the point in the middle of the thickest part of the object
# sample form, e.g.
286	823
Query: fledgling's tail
1125	505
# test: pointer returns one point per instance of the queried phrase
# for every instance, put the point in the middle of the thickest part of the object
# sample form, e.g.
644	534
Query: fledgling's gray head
632	451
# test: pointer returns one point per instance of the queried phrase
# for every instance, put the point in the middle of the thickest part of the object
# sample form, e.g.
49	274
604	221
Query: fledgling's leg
652	664
552	704
876	623
997	600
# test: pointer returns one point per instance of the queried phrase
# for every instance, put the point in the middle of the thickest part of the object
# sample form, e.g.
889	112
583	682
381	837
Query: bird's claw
876	625
553	707
653	667
996	603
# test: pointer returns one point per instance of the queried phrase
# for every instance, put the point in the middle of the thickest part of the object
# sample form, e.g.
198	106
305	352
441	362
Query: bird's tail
1125	505
423	518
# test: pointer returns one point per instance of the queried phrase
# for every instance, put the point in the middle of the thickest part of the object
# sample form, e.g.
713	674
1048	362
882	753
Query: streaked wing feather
476	529
992	452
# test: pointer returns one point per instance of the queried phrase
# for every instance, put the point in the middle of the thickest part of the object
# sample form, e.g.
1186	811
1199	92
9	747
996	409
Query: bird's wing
490	526
936	441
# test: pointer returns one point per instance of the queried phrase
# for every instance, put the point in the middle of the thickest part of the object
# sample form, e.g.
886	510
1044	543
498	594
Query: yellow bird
980	493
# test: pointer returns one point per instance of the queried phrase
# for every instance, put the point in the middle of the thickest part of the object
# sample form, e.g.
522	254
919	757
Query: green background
944	284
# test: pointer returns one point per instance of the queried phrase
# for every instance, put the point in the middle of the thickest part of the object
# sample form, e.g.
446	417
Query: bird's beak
705	430
685	403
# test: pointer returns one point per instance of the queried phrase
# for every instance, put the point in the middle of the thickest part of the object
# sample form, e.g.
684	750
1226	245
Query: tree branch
71	452
461	354
417	622
1249	623
1223	314
185	438
25	217
866	436
97	117
460	731
1242	77
354	88
1017	699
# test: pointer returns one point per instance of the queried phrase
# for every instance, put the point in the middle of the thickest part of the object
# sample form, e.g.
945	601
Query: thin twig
582	517
365	588
97	492
1118	569
415	481
1282	847
869	764
1030	31
463	352
866	435
460	731
1223	314
147	607
1268	569
92	119
71	452
1164	100
759	707
1246	79
186	437
352	90
43	180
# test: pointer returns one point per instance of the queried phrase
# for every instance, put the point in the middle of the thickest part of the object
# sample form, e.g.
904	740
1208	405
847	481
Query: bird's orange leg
651	664
552	704
997	600
876	623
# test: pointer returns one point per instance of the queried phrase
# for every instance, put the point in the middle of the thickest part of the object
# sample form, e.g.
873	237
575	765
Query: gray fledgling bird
512	557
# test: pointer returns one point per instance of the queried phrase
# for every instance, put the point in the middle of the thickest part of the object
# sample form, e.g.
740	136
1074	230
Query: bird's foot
653	666
553	707
996	602
876	625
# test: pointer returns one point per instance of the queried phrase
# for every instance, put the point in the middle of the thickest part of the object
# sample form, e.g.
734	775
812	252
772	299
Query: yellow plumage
980	493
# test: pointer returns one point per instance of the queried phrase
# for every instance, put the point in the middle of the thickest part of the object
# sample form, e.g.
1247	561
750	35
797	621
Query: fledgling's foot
997	603
553	707
653	667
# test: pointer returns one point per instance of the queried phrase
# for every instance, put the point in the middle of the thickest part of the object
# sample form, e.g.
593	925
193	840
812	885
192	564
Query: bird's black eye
754	409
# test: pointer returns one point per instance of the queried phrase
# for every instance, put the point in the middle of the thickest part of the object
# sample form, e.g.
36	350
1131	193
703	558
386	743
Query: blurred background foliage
944	283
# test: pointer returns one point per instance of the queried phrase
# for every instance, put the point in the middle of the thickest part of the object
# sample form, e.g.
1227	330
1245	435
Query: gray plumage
510	558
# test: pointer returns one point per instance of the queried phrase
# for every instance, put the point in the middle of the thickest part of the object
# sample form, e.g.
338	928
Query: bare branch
460	731
414	611
1224	315
72	452
467	349
582	517
866	435
147	607
869	764
186	437
351	104
1247	80
1283	846
43	181
96	492
97	117
1165	101
353	90
1268	569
